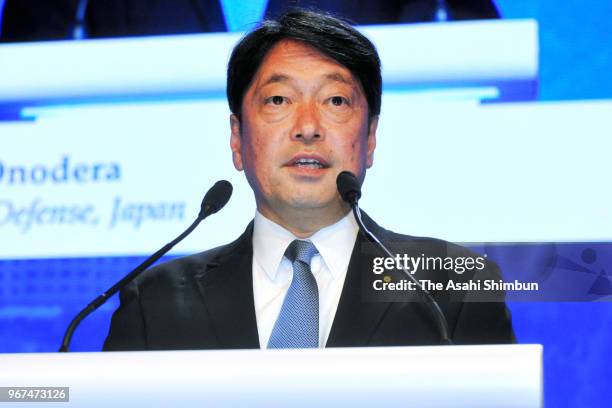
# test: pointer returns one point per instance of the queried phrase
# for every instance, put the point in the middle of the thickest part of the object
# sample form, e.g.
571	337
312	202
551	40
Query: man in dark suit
305	95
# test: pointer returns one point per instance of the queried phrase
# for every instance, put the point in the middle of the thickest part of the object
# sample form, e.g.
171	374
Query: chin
314	201
305	204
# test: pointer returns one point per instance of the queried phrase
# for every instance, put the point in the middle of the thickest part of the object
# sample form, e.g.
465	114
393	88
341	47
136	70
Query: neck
303	223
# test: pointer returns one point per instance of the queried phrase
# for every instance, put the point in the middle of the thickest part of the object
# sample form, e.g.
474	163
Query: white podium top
454	376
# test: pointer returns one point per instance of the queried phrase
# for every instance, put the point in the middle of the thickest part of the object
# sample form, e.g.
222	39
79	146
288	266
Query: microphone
348	187
214	200
350	191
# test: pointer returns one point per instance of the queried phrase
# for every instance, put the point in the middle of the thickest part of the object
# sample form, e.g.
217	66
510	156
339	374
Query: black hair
331	36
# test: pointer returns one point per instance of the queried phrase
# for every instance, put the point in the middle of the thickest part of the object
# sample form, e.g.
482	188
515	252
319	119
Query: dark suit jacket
205	301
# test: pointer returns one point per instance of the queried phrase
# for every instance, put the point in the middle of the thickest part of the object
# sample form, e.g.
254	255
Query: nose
307	128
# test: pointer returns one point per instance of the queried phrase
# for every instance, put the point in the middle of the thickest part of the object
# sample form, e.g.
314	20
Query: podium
439	376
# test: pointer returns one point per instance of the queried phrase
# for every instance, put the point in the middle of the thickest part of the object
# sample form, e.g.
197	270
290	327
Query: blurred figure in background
41	20
364	12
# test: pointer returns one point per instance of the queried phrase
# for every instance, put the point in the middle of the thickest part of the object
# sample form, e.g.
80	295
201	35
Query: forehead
290	59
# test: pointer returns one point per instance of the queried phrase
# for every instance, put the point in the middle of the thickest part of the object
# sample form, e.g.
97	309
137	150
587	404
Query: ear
371	141
236	142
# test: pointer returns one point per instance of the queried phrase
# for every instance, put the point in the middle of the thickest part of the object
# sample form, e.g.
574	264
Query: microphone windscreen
348	187
216	198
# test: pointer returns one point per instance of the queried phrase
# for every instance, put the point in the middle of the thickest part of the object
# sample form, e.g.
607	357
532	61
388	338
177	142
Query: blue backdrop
576	62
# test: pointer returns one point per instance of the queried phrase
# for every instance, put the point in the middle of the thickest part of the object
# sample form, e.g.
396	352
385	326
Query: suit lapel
356	319
226	286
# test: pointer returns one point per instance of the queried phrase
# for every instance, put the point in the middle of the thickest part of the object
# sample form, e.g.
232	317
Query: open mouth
309	164
308	161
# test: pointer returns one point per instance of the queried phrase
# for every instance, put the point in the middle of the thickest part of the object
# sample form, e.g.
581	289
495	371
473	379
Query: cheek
252	142
356	149
259	153
359	130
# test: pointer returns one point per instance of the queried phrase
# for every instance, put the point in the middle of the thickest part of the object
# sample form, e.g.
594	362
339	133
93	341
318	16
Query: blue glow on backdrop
241	15
575	38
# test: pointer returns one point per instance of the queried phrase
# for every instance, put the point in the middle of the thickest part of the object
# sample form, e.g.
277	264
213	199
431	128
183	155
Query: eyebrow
338	77
276	78
333	77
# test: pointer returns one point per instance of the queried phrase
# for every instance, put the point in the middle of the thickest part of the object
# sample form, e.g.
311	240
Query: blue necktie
297	325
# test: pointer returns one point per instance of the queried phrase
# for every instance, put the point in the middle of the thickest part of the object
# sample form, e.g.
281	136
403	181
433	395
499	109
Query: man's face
304	120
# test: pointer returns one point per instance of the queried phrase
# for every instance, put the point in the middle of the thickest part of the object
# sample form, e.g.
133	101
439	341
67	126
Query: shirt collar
335	244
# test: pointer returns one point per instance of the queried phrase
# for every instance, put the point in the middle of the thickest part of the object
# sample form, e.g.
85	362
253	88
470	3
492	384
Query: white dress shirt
273	272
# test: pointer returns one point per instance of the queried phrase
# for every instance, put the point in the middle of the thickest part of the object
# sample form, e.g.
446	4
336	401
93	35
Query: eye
275	100
338	101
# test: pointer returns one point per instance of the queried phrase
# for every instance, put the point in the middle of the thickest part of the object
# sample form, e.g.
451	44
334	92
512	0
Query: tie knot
301	251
